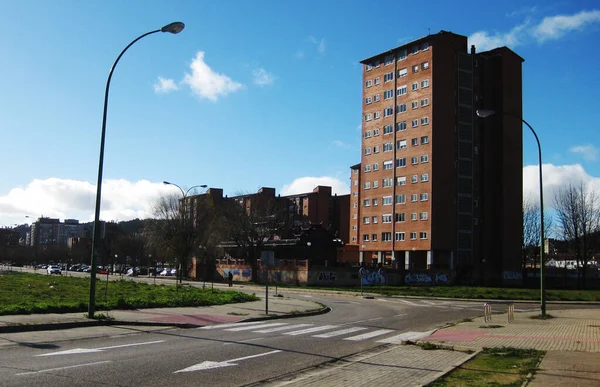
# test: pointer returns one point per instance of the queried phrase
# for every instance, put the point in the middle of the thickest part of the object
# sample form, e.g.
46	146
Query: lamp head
174	28
203	186
166	182
483	113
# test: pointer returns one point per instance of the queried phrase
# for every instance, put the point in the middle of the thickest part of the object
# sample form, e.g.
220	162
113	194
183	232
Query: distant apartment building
51	231
437	187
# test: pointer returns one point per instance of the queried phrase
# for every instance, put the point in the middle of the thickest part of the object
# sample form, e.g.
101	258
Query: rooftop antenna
429	31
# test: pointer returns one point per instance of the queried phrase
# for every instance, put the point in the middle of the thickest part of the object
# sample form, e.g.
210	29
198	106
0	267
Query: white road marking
340	332
206	365
398	339
311	330
218	326
277	329
368	335
245	341
248	328
428	302
63	368
359	321
382	300
398	315
409	303
94	350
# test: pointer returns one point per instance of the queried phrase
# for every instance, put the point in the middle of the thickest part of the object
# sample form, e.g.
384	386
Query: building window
413	179
401	162
400	236
387	165
414	160
425	102
413	217
376	98
401	90
423	216
369	83
365	237
374	220
424	65
366	203
387	218
424	197
367	151
400	181
387	201
375	132
368	67
414	123
375	202
401	144
401	199
402	54
400	217
368	100
425	46
415	86
368	117
376	115
376	184
388	112
376	167
367	185
366	220
388	94
414	197
388	146
355	205
377	63
386	236
355	171
388	129
354	238
388	77
401	108
374	237
402	72
424	177
367	169
425	121
387	182
376	80
423	235
414	104
355	194
401	125
414	50
413	236
424	140
389	59
368	134
415	69
376	149
425	158
424	83
414	141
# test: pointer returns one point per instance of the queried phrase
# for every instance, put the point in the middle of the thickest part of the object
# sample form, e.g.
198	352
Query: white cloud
262	77
164	85
521	11
551	27
73	199
307	184
588	152
299	54
554	27
206	83
319	43
340	144
554	177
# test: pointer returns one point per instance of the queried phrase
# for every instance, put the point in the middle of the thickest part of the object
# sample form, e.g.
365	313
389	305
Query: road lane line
245	341
219	326
368	335
248	328
311	330
340	332
63	368
285	328
131	345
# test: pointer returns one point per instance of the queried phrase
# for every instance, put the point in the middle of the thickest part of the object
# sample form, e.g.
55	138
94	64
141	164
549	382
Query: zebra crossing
341	331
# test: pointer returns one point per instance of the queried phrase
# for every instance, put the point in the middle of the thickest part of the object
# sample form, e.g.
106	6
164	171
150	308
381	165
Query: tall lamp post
173	28
486	113
184	195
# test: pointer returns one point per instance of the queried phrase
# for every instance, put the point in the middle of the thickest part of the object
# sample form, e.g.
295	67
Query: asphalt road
224	355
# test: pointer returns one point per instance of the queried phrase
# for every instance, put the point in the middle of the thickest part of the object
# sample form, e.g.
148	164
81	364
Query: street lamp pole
184	195
486	113
173	28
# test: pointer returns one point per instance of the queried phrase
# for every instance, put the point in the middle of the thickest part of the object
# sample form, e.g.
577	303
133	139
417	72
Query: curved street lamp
173	28
486	113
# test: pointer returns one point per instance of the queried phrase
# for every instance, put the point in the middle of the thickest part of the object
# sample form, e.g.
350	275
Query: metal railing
487	310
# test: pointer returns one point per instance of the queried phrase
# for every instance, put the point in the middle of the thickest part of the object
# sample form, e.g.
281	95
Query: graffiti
372	277
512	275
443	278
418	278
326	276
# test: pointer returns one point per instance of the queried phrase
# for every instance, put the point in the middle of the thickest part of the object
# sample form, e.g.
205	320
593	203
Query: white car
53	269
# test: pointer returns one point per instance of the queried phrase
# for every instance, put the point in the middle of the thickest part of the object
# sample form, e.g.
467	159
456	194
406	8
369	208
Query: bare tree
578	212
531	229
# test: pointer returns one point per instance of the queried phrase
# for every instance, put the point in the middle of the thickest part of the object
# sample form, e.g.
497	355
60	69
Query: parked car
103	271
53	269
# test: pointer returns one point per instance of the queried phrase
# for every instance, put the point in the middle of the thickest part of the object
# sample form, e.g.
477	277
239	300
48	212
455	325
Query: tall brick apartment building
439	188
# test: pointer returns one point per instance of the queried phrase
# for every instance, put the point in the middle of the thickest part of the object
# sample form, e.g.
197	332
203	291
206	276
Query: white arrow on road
206	365
93	350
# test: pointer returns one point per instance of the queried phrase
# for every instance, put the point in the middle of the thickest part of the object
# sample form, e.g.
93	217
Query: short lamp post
173	28
486	113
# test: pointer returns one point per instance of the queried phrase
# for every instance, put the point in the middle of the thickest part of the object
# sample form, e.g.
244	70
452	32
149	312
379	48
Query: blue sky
251	93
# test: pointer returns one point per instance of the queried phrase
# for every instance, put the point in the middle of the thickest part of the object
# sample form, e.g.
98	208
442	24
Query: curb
323	310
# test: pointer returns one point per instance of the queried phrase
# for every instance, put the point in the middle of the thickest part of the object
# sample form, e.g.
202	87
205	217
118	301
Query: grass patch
502	366
237	314
465	320
24	293
429	346
491	326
